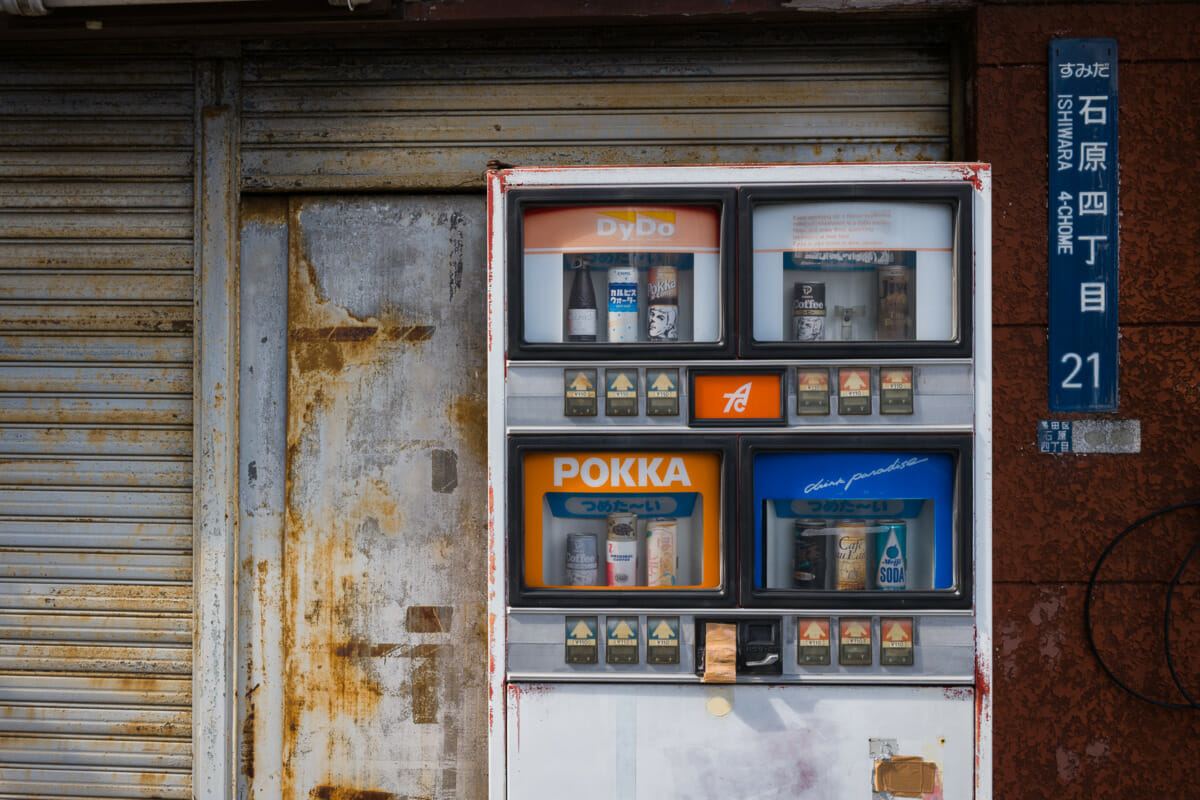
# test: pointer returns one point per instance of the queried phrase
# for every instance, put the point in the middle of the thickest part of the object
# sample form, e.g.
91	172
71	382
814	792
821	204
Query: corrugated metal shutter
429	114
96	325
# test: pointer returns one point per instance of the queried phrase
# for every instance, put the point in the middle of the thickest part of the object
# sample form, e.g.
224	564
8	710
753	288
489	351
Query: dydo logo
617	471
634	223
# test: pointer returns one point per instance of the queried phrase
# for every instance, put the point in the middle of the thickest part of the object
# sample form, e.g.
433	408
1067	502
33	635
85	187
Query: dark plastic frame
518	200
957	194
520	595
959	445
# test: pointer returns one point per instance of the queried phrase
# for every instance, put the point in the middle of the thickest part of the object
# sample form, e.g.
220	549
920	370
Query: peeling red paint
972	173
956	693
983	706
517	691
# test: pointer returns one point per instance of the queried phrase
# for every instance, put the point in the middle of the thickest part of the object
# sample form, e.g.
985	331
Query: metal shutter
95	427
430	113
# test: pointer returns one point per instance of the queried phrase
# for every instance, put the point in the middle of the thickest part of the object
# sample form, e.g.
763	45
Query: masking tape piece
905	776
720	653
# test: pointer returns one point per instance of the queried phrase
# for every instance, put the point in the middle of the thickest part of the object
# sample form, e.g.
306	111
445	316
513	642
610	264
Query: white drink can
662	559
621	558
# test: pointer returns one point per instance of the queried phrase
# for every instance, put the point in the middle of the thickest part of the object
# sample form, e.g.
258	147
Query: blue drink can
891	558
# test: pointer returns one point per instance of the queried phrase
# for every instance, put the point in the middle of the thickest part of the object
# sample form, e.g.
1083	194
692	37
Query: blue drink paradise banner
854	483
1083	225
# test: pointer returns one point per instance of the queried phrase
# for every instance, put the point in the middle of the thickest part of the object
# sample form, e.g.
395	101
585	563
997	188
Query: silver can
808	311
582	560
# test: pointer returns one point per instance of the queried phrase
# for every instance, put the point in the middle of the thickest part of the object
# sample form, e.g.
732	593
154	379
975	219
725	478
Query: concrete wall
1062	728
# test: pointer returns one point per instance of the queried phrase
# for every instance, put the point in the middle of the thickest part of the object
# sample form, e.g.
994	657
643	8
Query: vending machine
739	462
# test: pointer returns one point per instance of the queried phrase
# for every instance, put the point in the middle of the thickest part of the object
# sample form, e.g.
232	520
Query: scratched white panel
618	742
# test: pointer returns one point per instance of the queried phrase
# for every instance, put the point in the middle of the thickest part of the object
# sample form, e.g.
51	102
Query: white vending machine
740	454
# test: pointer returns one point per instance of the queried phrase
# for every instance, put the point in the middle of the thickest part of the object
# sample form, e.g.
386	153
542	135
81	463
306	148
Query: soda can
808	311
851	554
894	318
662	304
582	560
622	551
808	555
661	554
891	559
623	304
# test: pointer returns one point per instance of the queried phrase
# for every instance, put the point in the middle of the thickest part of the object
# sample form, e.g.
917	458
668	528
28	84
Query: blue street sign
1083	225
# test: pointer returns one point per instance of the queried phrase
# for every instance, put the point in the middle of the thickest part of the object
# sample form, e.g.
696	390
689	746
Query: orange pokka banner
632	472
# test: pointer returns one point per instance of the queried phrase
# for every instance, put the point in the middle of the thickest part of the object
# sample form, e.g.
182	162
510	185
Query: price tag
662	393
896	641
579	392
621	645
854	390
812	641
895	390
662	640
812	390
581	640
854	647
621	392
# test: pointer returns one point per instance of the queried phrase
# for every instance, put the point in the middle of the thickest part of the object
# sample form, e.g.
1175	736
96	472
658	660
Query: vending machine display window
598	524
880	270
882	522
617	274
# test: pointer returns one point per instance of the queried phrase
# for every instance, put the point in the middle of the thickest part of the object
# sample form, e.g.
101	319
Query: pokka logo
896	466
636	224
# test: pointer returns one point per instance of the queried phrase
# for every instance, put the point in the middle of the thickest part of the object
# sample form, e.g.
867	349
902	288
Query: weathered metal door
364	497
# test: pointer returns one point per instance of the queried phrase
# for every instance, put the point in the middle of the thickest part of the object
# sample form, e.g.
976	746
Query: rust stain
411	334
264	209
332	675
469	415
428	619
343	333
248	739
425	677
326	792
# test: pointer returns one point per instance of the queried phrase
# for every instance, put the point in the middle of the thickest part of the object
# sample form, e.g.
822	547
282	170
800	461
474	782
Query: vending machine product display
739	463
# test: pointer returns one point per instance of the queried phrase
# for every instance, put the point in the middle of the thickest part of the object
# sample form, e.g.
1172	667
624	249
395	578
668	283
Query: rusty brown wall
1062	728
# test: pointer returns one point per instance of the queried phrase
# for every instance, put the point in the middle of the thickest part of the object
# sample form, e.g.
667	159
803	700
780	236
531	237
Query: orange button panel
737	397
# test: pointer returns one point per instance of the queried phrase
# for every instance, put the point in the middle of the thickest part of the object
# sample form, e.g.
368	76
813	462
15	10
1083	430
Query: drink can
623	304
808	311
894	319
662	304
891	558
661	553
851	554
622	550
582	560
808	555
